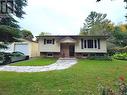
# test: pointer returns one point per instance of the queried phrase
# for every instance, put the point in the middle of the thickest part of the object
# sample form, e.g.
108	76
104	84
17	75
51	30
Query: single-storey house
28	47
71	45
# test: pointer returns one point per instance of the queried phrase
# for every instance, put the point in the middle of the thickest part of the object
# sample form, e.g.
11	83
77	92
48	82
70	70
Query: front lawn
80	79
35	62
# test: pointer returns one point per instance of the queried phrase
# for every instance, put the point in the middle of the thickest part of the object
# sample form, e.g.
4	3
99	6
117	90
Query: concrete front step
67	58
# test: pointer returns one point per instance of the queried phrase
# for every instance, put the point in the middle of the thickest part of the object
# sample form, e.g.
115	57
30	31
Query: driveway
62	63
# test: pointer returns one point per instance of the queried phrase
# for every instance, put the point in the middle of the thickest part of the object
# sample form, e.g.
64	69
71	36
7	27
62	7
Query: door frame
65	49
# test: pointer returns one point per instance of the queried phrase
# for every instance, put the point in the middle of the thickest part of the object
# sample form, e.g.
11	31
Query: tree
9	28
9	21
26	34
96	24
120	37
19	4
16	7
8	35
17	10
44	33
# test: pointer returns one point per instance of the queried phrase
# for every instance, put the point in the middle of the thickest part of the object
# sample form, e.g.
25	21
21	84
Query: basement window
49	54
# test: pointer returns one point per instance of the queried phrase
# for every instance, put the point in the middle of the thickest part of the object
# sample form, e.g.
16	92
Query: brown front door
64	50
67	50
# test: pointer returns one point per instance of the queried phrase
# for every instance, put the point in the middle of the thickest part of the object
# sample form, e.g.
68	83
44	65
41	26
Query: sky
65	17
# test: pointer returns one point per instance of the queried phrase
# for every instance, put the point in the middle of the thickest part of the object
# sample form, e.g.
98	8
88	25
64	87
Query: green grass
35	62
77	80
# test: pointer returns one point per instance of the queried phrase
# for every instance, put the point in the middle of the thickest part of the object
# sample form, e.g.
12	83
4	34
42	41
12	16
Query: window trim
49	41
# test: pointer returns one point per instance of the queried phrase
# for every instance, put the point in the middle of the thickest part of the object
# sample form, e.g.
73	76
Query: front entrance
71	50
67	50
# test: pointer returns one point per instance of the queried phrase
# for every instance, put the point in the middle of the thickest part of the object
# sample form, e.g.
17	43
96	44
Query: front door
71	50
67	50
64	50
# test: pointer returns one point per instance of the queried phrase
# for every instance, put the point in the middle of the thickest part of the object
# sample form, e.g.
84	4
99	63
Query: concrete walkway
59	65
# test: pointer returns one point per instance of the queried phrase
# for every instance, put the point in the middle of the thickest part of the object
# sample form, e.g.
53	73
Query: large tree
16	8
8	35
9	21
26	34
120	37
96	24
9	28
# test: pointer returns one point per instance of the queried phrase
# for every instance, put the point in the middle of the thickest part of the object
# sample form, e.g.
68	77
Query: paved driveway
59	65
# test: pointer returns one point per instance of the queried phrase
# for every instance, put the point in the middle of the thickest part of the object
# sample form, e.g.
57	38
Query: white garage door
22	48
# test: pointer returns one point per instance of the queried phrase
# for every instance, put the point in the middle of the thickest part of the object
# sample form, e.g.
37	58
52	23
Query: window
90	43
85	55
49	41
50	54
99	54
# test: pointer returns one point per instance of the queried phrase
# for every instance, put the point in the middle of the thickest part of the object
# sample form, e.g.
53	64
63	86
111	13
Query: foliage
8	35
114	50
121	88
4	58
120	56
9	21
44	33
26	34
8	24
96	24
123	27
19	4
105	57
17	10
120	37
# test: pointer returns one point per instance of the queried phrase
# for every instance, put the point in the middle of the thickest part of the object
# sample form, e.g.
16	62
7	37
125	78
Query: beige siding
103	48
49	47
34	49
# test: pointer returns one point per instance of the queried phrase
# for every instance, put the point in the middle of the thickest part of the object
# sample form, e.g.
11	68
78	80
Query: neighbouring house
71	45
27	47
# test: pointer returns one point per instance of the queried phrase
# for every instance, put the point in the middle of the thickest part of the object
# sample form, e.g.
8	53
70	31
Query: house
71	45
28	47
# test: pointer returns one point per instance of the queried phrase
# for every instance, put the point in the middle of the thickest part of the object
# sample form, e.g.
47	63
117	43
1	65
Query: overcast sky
65	17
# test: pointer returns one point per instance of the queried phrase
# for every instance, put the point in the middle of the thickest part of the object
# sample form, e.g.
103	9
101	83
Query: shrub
120	56
121	88
105	57
117	50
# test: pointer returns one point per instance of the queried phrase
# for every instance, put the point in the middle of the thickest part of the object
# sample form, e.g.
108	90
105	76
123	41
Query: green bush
120	56
117	50
105	57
